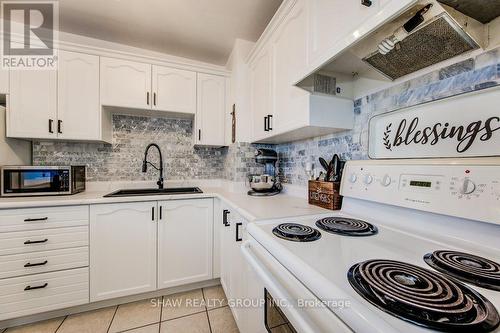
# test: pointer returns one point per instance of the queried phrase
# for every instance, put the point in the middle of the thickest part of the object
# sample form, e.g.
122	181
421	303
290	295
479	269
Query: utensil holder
325	194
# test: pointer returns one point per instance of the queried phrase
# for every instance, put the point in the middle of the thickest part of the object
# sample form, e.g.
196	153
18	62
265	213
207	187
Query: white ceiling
203	30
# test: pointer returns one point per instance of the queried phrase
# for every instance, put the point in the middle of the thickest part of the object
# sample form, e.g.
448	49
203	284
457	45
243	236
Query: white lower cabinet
185	234
233	265
145	246
44	258
38	293
123	249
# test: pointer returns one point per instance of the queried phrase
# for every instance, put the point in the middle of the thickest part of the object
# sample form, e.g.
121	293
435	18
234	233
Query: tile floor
197	311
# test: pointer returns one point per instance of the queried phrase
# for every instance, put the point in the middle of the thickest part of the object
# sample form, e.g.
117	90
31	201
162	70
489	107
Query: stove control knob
468	186
368	179
386	181
353	178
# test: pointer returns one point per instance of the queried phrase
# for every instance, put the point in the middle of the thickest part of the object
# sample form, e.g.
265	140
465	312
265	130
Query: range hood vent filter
439	40
483	11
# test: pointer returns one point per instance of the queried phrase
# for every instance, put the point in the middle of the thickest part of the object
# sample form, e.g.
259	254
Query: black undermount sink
154	191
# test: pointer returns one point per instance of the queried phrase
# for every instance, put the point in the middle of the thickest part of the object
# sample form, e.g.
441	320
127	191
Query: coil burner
346	227
423	297
296	232
466	267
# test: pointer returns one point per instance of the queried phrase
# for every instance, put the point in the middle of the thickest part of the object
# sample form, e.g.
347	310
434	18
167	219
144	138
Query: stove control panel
467	191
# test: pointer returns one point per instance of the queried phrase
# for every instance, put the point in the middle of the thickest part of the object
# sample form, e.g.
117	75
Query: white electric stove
415	248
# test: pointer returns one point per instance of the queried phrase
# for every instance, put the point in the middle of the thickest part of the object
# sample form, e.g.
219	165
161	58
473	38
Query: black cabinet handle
199	135
37	287
154	99
28	242
265	125
147	98
152	213
161	212
51	121
59	126
225	213
37	264
238	225
366	3
37	219
269	118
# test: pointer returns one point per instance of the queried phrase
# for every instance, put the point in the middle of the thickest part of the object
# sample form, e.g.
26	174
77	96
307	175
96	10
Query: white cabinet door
78	108
125	83
237	277
174	90
32	110
185	234
123	249
260	92
332	20
210	120
289	46
226	242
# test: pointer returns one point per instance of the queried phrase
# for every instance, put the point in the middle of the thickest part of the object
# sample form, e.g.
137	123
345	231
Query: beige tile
282	329
146	329
215	297
222	321
96	321
197	323
136	314
47	326
182	304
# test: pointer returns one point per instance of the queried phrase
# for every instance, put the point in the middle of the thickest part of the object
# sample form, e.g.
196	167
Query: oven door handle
300	323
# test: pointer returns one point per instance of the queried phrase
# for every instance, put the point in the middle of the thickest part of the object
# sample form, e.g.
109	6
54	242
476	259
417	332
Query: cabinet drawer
60	290
43	262
43	240
43	218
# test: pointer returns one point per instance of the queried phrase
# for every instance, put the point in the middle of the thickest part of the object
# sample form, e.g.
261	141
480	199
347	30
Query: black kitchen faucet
145	163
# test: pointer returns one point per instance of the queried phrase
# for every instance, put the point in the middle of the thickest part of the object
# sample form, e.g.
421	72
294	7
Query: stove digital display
418	183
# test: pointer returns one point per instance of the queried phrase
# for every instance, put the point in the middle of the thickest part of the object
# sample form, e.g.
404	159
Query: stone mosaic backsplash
472	74
122	160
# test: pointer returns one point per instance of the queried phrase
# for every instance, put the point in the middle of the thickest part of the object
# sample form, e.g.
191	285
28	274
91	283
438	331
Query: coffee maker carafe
268	183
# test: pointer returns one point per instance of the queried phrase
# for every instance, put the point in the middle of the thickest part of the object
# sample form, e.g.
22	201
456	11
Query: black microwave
42	180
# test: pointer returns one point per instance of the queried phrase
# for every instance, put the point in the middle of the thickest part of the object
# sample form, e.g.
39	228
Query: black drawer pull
38	219
37	287
225	213
238	238
37	264
36	242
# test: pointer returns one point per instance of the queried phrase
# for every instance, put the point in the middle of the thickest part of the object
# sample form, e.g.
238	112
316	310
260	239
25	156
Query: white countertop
251	208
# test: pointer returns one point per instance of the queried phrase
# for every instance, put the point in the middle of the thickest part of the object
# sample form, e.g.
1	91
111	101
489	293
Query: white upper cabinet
174	90
261	93
332	20
125	83
79	110
32	104
210	111
123	247
334	25
185	233
289	46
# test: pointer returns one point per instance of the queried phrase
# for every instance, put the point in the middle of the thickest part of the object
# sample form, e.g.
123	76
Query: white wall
12	151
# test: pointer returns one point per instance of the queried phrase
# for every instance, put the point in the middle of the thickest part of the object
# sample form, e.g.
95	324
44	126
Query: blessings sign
463	126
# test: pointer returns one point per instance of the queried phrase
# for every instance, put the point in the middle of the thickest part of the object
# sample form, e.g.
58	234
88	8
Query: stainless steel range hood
445	31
